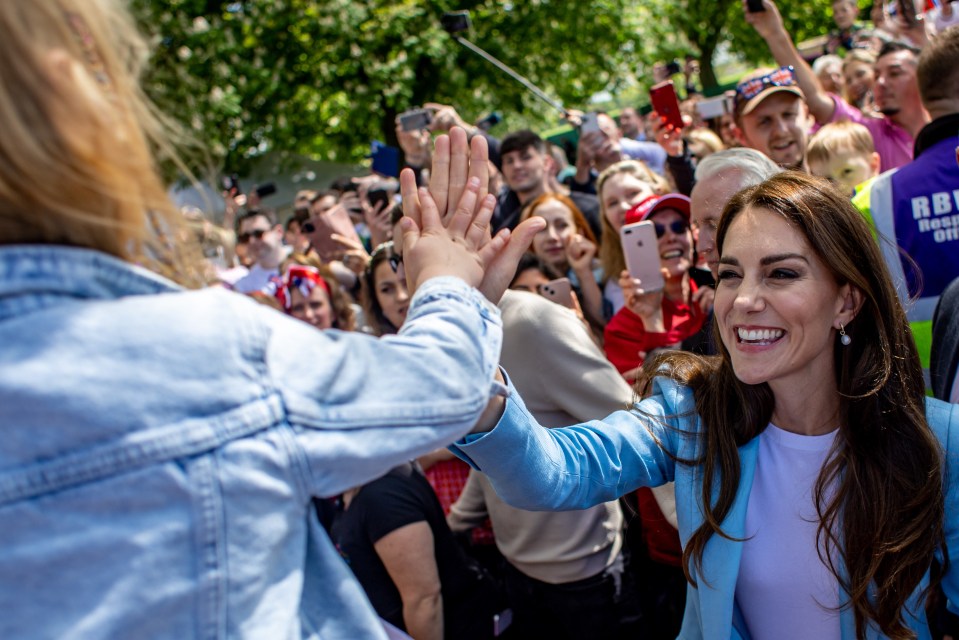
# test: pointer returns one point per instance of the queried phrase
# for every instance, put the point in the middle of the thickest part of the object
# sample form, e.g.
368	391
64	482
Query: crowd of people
448	405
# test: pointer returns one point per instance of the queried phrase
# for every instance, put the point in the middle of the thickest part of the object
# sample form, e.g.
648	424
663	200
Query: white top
255	280
784	590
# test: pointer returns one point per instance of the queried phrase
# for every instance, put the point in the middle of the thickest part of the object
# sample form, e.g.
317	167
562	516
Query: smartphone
755	6
416	119
666	104
673	68
559	291
455	22
714	107
265	190
230	183
319	230
590	122
378	194
386	159
641	250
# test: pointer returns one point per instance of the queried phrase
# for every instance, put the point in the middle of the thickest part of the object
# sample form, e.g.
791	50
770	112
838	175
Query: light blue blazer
580	466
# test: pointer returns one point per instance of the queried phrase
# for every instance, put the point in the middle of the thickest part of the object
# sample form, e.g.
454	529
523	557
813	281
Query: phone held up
590	122
416	119
641	250
559	291
666	103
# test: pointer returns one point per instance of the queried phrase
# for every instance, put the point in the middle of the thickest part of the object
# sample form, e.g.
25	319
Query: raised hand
580	253
666	135
446	229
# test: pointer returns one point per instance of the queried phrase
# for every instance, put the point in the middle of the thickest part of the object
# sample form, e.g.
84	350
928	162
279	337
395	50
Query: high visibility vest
915	210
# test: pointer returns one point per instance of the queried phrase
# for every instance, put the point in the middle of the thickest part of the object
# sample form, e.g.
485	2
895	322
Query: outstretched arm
769	24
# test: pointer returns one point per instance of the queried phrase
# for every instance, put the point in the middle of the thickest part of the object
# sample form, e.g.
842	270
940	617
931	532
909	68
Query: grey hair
753	166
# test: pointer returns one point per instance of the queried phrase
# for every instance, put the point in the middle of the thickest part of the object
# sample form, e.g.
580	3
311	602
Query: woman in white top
808	464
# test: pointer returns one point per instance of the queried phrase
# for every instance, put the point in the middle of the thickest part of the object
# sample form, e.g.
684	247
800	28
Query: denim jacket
161	447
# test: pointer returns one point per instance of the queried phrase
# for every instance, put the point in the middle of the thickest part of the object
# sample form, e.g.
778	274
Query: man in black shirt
526	170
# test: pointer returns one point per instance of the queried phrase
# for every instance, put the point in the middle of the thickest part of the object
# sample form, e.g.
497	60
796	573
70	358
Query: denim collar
34	276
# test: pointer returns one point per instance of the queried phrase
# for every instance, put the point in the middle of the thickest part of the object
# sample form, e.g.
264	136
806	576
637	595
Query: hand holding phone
641	250
320	228
590	123
666	103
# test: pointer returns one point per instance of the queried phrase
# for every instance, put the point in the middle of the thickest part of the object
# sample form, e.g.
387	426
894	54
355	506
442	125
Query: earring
843	338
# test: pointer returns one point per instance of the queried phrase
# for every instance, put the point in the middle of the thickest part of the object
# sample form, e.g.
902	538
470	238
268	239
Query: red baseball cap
652	204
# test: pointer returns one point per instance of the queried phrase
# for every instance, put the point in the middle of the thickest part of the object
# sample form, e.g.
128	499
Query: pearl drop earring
843	338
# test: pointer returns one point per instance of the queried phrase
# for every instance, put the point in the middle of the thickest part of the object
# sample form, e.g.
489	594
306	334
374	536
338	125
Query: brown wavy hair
880	527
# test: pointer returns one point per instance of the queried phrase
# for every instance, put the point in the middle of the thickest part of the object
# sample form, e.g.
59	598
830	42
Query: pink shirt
893	143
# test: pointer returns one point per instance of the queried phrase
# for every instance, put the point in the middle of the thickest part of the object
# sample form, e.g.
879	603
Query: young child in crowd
844	153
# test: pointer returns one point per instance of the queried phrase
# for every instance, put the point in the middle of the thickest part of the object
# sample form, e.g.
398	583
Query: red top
625	335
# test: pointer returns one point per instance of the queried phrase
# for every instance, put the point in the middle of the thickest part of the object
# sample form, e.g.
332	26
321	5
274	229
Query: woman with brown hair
310	292
812	489
568	248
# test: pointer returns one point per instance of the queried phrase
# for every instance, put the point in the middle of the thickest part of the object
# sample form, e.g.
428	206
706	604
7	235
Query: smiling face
675	245
391	294
778	127
859	78
315	309
525	171
549	245
620	192
896	89
777	305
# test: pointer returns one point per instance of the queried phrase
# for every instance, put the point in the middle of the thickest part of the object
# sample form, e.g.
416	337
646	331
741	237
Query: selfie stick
536	91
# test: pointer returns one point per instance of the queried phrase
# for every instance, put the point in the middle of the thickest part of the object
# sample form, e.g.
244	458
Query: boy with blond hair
844	153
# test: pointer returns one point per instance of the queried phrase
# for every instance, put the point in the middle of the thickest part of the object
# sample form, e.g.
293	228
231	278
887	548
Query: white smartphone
641	250
590	122
559	291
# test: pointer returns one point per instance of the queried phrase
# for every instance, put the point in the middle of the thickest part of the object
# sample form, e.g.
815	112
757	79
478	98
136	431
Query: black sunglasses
243	238
678	227
395	262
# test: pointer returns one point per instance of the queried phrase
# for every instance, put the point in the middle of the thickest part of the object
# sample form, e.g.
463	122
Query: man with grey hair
718	177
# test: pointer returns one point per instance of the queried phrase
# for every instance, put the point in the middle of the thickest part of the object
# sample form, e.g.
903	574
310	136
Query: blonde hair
610	250
708	138
76	163
838	137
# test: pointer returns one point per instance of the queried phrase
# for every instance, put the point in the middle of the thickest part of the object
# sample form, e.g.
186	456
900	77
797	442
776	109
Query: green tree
324	78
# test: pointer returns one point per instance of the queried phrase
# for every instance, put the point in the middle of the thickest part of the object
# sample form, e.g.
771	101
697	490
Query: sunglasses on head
781	77
678	227
243	238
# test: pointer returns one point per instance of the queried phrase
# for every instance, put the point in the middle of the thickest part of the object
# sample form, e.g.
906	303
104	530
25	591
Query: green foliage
323	78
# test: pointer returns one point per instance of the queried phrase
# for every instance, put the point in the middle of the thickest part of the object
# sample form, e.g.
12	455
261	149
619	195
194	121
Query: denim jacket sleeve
583	465
360	405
